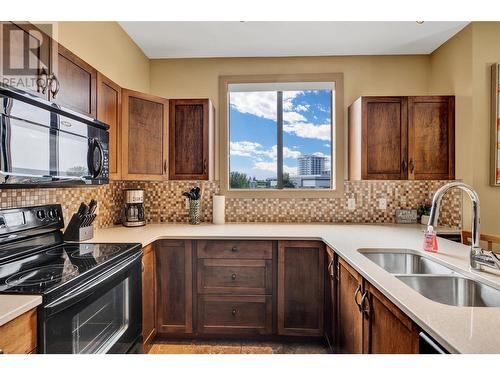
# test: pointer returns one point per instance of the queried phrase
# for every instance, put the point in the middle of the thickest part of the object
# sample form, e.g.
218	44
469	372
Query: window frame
337	136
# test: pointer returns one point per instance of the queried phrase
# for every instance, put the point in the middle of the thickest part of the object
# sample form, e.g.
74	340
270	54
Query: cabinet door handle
358	289
365	309
233	276
234	312
412	166
205	166
43	81
165	166
1	351
234	249
58	86
330	270
404	165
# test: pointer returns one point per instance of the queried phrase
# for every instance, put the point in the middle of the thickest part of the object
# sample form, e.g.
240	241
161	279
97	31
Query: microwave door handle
75	295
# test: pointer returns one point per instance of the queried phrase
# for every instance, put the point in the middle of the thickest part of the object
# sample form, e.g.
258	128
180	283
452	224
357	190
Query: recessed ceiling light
419	22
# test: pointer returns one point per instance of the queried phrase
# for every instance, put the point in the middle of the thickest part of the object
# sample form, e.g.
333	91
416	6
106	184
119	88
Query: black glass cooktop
45	270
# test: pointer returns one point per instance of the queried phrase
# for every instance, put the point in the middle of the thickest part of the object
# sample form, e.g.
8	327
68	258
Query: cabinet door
300	288
109	106
330	298
431	136
384	138
148	294
144	135
350	322
75	84
19	336
25	57
190	134
174	267
386	330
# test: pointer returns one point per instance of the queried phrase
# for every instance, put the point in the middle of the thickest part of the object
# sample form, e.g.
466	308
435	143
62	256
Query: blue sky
306	125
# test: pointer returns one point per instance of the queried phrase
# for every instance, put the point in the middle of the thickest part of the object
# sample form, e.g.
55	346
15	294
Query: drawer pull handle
233	276
234	249
234	312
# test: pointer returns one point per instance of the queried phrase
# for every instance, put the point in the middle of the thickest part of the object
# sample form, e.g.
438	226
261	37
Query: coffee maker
134	208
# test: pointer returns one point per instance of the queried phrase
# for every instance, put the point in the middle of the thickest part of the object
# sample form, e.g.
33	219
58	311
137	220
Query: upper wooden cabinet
26	60
74	82
431	137
191	154
300	288
144	136
109	107
398	138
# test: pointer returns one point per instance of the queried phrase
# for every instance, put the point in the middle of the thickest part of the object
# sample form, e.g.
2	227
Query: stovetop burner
42	275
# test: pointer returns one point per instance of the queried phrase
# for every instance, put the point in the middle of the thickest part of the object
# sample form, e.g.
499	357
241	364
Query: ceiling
248	39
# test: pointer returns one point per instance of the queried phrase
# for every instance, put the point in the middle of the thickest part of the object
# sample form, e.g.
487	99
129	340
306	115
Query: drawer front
19	335
235	314
235	276
235	249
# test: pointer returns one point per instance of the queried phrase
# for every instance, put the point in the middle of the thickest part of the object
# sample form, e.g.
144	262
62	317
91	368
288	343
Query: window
280	135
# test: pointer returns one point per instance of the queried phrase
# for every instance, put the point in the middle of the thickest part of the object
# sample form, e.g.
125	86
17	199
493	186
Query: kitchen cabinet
431	138
109	107
349	318
386	330
20	334
235	287
174	295
300	288
26	57
148	294
399	138
330	318
144	136
191	128
74	82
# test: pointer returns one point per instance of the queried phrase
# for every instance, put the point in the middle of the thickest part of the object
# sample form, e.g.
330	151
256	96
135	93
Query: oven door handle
74	295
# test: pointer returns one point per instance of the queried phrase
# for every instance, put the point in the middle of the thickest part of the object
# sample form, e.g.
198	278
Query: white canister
219	206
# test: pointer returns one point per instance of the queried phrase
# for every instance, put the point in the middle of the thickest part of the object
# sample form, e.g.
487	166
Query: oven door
102	316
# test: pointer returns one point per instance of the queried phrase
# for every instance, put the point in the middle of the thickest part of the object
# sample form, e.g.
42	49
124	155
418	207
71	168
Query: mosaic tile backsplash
164	202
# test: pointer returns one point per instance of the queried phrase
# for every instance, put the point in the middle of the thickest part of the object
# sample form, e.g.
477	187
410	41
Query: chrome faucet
477	256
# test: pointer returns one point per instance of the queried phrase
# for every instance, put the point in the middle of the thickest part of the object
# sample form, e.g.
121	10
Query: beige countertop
11	306
459	329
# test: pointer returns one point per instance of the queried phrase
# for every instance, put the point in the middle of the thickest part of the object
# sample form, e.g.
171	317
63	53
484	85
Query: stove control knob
40	214
52	213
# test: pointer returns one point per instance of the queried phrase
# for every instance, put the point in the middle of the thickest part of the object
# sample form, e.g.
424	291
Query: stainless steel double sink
433	279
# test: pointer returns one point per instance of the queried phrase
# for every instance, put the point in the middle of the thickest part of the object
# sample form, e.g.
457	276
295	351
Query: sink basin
453	290
404	262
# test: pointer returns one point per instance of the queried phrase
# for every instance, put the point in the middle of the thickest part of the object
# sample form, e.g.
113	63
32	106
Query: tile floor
235	347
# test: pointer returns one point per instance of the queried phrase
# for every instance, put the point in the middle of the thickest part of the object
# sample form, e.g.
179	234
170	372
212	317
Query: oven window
97	327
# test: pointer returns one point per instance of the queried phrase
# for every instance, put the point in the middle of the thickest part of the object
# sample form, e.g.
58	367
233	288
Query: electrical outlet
382	204
351	204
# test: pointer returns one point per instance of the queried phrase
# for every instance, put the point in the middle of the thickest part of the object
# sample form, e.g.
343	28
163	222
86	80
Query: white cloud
292	117
244	148
306	130
261	104
272	167
321	154
302	107
327	145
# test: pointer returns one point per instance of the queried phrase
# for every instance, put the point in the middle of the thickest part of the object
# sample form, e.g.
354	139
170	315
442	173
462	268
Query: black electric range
91	291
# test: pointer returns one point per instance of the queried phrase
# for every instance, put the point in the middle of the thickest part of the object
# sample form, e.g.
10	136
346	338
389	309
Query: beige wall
363	75
462	67
109	49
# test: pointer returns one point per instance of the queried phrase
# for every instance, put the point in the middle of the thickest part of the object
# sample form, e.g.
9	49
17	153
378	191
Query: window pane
253	139
307	141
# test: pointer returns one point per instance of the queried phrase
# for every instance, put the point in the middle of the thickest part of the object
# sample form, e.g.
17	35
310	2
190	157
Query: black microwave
43	144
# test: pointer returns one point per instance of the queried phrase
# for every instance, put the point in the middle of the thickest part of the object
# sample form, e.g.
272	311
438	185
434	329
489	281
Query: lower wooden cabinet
148	294
386	330
174	268
330	318
230	314
300	287
20	334
350	321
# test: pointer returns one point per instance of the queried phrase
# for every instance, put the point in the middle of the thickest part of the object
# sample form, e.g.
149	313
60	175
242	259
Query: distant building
311	165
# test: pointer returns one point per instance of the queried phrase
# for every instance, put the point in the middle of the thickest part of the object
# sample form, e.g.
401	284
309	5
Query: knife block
75	231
